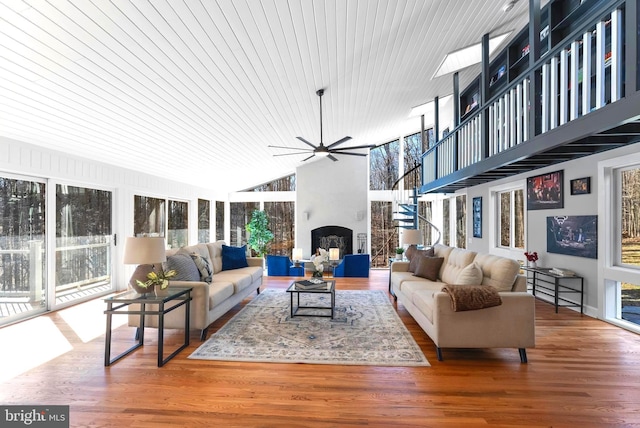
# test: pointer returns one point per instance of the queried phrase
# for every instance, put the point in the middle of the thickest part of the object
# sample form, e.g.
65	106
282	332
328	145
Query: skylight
470	55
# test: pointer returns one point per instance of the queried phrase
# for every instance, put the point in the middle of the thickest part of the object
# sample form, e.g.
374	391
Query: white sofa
210	300
511	324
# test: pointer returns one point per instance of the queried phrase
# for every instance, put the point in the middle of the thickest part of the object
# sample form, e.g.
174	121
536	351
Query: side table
149	305
545	282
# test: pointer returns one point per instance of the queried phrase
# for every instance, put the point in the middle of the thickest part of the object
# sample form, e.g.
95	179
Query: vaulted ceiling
206	85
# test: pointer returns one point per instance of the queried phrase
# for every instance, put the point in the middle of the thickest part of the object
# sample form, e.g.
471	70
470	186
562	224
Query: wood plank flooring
583	372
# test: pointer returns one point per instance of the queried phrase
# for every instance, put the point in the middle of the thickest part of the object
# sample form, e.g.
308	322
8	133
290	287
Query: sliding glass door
84	240
23	270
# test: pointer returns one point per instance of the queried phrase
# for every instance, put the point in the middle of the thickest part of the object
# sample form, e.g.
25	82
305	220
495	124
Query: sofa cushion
234	257
429	267
415	258
219	292
183	264
240	278
499	272
424	301
457	260
215	255
470	275
204	266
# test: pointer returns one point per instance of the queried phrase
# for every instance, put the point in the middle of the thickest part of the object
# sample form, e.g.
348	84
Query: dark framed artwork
580	186
477	217
574	235
545	191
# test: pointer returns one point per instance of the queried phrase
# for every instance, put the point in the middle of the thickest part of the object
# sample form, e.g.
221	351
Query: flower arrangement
321	257
157	278
532	257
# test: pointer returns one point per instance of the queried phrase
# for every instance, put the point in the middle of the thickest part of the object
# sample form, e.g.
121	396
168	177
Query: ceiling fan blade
340	141
306	159
290	148
295	153
349	153
333	158
366	146
306	142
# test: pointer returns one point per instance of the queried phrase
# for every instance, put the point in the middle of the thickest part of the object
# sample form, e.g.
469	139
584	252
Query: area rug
365	330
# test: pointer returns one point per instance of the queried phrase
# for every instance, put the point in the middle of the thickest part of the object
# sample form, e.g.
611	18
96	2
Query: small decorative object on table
158	280
532	258
321	257
399	252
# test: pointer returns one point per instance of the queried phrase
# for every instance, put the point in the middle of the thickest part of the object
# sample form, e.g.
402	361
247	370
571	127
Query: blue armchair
354	266
282	266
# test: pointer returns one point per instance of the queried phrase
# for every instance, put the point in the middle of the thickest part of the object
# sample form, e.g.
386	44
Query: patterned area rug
365	330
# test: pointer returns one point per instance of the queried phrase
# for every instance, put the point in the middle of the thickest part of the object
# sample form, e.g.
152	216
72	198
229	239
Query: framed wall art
477	217
545	191
580	186
573	235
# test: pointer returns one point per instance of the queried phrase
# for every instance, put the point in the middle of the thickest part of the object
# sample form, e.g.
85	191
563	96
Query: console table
545	282
149	305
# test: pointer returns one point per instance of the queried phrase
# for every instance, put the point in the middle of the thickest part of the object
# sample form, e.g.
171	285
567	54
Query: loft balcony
574	101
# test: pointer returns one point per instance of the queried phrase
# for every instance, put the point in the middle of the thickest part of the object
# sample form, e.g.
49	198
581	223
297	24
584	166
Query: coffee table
329	289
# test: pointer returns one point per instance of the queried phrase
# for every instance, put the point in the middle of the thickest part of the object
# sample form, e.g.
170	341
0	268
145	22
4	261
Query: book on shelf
562	272
311	284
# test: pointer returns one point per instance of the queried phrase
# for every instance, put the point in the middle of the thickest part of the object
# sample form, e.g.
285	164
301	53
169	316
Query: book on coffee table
313	284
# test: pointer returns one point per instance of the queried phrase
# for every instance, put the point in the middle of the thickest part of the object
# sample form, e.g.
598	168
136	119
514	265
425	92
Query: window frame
495	215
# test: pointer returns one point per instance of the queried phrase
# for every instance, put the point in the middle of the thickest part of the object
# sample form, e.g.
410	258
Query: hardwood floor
583	372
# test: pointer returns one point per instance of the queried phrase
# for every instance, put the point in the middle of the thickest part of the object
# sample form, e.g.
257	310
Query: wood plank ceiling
207	85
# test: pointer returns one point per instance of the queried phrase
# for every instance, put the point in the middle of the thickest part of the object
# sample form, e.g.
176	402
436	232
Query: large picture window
281	222
382	230
384	165
240	217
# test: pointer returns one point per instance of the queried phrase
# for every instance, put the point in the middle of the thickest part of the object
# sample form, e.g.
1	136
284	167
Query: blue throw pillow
234	257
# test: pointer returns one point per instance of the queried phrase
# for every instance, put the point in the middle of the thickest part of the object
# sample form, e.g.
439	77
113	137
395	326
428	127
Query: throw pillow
410	251
413	264
429	267
470	275
186	269
234	257
204	267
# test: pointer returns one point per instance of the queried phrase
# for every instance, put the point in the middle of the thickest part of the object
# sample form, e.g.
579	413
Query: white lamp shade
334	253
411	237
144	250
296	254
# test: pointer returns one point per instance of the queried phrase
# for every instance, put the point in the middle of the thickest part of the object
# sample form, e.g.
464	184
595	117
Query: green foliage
259	233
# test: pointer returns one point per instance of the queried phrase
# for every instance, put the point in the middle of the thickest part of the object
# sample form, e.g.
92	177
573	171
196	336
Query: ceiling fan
322	150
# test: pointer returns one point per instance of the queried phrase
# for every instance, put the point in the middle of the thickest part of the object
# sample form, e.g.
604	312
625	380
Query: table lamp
296	255
334	254
144	252
411	237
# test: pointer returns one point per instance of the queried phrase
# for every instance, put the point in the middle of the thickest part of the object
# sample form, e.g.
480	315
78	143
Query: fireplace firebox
332	237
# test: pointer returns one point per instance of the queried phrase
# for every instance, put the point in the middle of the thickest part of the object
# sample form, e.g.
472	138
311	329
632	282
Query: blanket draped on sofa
472	297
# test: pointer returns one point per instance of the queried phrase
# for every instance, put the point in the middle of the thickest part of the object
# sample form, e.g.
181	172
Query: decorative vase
317	274
533	265
161	292
398	256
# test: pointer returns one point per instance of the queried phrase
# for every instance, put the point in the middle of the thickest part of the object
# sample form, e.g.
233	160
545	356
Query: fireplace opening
332	237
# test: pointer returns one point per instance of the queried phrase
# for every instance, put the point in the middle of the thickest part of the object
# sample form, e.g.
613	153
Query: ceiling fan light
322	154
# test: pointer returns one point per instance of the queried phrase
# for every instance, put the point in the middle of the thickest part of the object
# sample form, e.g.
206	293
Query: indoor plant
399	252
259	233
157	281
321	257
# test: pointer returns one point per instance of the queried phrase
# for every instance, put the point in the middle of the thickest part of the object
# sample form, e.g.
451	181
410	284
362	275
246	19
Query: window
629	217
284	184
23	248
511	218
413	150
83	243
204	213
446	221
382	231
219	221
425	210
148	216
383	166
281	222
461	221
178	231
240	217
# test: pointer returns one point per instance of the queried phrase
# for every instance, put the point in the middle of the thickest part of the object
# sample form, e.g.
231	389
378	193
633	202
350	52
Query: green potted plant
158	282
399	252
259	234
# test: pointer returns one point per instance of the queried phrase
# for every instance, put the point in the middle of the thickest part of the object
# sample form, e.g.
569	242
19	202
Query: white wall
331	194
23	159
535	234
